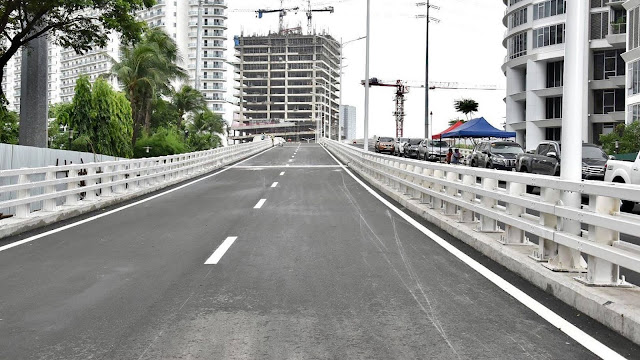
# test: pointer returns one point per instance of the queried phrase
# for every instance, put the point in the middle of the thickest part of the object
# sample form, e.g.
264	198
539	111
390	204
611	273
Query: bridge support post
24	210
488	224
426	198
568	259
466	215
436	201
514	236
599	271
405	175
72	199
90	195
415	194
49	204
546	247
395	184
449	207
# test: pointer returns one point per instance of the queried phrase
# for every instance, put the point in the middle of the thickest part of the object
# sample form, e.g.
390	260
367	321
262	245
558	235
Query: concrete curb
616	308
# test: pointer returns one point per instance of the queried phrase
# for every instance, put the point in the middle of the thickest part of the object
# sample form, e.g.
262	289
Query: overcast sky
466	47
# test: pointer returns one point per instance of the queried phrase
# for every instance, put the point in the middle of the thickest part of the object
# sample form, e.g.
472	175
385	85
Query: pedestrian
455	158
449	156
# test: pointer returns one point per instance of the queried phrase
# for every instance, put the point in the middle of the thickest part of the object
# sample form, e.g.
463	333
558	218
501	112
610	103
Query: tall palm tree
188	100
466	106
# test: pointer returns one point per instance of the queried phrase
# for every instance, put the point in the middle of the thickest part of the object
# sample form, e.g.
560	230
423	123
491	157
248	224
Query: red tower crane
401	90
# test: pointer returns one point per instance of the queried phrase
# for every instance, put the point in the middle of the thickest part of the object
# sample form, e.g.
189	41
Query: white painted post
23	210
426	198
449	207
466	215
72	184
90	195
488	224
514	235
106	181
546	247
50	204
437	202
416	194
401	174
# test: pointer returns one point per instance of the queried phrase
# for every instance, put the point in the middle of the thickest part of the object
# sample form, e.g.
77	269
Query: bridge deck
322	269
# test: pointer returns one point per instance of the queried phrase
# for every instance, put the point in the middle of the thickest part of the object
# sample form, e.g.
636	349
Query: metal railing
498	201
54	187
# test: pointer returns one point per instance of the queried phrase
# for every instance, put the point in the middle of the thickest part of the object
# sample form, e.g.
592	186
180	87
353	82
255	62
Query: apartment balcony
209	2
615	116
612	82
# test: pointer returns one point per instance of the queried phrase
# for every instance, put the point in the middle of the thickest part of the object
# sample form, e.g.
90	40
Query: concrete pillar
536	79
34	104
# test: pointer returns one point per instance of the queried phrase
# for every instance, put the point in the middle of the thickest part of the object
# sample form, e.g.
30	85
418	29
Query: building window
606	101
634	112
554	108
599	25
549	35
555	74
518	45
549	8
634	71
599	3
607	64
553	134
518	18
634	28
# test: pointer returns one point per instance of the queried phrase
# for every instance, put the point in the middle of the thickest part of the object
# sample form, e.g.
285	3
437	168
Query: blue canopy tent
478	128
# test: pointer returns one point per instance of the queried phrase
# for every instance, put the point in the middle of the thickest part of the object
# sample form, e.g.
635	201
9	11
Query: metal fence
499	201
49	188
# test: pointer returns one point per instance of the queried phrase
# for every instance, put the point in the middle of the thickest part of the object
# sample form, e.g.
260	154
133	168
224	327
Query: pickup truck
545	160
625	172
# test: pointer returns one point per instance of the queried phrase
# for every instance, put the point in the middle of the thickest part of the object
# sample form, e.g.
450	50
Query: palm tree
188	100
466	106
455	121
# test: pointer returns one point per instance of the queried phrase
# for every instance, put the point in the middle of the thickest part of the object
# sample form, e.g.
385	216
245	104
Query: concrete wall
17	156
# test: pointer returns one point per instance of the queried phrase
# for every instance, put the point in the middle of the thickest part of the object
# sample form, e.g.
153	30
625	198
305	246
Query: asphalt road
320	269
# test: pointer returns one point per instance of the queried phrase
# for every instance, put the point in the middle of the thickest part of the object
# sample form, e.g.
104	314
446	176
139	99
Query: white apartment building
632	58
348	114
179	18
534	67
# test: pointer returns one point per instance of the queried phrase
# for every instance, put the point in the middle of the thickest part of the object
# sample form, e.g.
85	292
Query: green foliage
188	100
80	117
77	24
9	126
59	139
466	106
454	121
628	137
164	114
203	129
165	141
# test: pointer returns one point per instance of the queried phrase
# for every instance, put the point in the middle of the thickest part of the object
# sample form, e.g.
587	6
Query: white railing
498	201
54	187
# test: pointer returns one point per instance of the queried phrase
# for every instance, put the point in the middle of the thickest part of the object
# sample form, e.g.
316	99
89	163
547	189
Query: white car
398	147
624	172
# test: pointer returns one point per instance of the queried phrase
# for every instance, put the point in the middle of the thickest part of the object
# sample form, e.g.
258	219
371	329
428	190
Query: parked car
545	160
624	172
411	148
433	150
496	154
398	146
384	144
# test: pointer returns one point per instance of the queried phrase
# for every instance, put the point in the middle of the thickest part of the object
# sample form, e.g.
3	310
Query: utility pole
426	64
366	77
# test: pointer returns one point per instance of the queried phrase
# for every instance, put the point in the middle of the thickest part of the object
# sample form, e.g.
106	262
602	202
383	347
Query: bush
628	137
165	141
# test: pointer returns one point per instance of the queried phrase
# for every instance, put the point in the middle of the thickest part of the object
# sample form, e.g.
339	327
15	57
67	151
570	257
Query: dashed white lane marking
249	167
84	221
290	160
260	203
282	173
220	251
554	319
274	184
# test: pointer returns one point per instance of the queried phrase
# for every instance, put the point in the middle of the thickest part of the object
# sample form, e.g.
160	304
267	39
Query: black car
411	148
496	154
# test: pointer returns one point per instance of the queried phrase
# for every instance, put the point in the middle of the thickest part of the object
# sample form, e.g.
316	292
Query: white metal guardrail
498	201
53	187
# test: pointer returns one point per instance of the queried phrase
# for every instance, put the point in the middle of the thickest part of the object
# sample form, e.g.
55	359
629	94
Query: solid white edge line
584	339
220	251
274	184
260	203
95	217
282	173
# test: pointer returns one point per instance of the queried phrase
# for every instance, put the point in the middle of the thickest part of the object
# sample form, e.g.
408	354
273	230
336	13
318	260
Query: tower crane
402	88
310	12
282	13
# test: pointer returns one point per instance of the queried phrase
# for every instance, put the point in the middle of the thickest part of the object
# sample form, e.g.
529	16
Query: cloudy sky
466	47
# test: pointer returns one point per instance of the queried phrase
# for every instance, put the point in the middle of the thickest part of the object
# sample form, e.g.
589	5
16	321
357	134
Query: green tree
164	114
78	24
203	129
9	126
58	138
627	136
80	116
165	141
188	100
466	106
455	121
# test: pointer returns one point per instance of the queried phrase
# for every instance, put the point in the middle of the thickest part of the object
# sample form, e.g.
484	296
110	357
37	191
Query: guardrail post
601	272
106	181
50	204
23	210
466	215
404	168
426	198
568	259
437	201
546	247
487	224
416	194
514	236
90	195
72	184
449	207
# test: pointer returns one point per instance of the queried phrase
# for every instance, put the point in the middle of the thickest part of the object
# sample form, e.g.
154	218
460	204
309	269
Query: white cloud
466	47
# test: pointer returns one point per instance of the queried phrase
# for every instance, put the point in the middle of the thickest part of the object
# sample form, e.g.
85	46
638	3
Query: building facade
287	85
534	67
179	19
348	114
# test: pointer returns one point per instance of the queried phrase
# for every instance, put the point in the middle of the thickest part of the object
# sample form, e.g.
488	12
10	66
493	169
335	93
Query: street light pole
340	115
366	77
426	63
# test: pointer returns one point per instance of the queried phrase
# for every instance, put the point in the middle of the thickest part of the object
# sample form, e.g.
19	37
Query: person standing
455	158
449	156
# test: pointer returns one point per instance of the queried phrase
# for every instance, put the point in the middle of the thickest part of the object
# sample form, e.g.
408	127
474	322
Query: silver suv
433	150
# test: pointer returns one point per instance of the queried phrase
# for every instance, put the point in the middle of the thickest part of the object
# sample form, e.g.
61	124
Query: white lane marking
290	160
282	173
220	251
84	221
248	167
554	319
260	203
274	184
